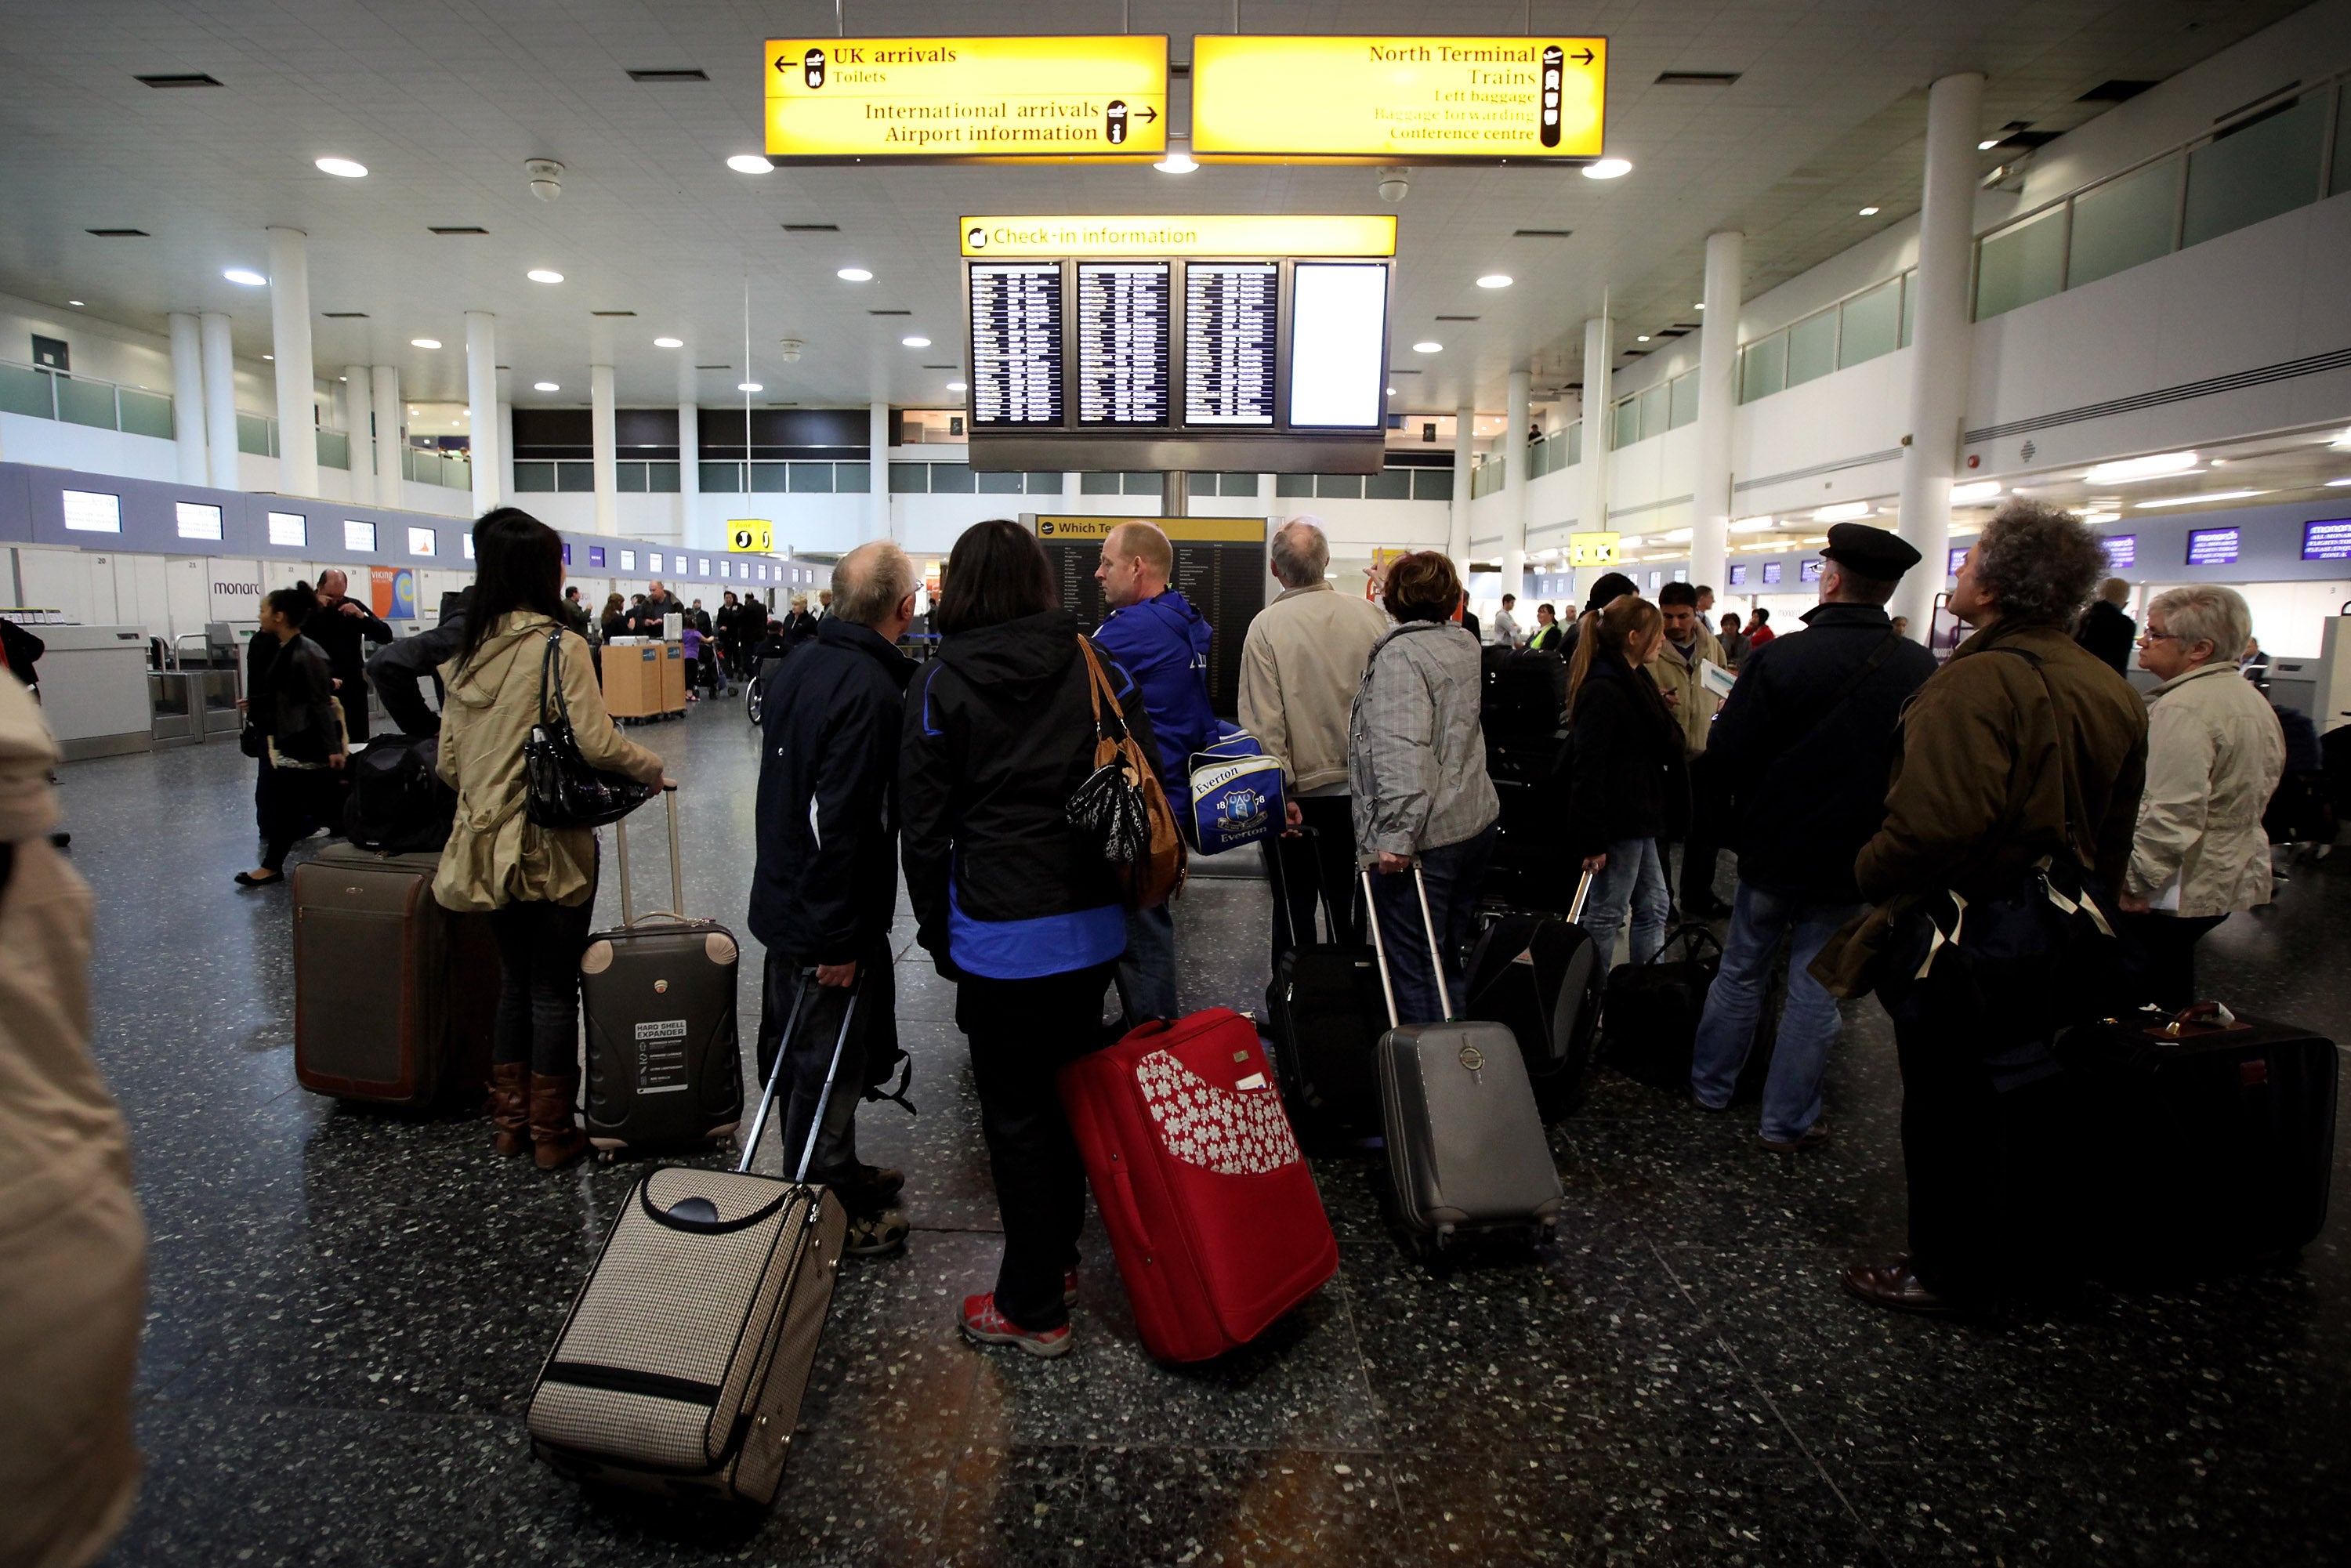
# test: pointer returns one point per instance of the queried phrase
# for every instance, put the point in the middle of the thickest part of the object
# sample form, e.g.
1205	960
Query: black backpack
398	804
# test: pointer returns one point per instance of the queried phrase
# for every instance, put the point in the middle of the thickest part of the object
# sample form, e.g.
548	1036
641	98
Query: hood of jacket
1179	615
500	658
1022	657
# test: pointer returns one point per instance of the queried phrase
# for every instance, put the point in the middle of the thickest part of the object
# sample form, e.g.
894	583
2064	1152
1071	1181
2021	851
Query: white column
1599	351
188	396
689	447
877	499
356	411
1465	453
1939	340
1718	407
505	451
289	332
602	434
482	397
220	399
1071	489
1514	494
391	455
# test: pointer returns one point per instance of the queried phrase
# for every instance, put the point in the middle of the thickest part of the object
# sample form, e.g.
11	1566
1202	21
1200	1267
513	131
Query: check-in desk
94	690
643	680
673	677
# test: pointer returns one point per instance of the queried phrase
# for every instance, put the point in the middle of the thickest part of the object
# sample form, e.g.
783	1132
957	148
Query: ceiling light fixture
2337	483
1976	493
1428	346
246	275
75	303
1751	525
749	163
1988	143
268	356
1870	212
2102	517
344	168
669	342
1700	306
915	342
424	342
1842	512
750	386
1496	280
544	274
1642	339
545	386
854	275
1392	392
958	386
1179	160
1607	168
2193	500
2157	466
2342	442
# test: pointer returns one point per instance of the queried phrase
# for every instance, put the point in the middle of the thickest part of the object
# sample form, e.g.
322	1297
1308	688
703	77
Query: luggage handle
1583	892
676	910
1428	928
774	1076
1281	888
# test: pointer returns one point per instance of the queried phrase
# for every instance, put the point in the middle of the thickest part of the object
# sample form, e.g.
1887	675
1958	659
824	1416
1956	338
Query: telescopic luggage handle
776	1074
1583	892
676	910
1428	928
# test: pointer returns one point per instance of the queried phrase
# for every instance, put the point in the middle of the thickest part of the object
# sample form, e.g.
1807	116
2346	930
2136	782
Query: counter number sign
750	536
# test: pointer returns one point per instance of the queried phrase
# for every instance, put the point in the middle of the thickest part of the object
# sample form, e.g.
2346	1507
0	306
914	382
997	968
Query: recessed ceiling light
545	386
465	412
669	342
2219	463
1607	168
854	275
412	411
1842	512
2207	496
268	356
1700	306
2102	517
2337	483
1870	212
1428	346
1987	144
1391	392
246	275
749	163
1495	280
347	168
1177	162
1975	493
1642	339
544	274
750	386
958	386
915	342
75	303
1751	525
2155	467
424	342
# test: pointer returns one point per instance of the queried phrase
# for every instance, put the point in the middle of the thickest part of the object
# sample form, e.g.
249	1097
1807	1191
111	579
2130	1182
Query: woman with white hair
2214	754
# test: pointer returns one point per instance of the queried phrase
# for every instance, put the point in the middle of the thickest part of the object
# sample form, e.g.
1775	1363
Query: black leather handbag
560	788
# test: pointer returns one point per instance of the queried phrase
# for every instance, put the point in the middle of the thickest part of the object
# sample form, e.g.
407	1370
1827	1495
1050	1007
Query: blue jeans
1634	879
1734	1006
1146	976
1452	874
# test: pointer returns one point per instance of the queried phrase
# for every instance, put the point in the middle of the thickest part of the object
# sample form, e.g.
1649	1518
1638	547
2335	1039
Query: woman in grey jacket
1416	763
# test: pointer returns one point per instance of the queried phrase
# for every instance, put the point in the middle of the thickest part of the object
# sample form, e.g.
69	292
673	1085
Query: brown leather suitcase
370	976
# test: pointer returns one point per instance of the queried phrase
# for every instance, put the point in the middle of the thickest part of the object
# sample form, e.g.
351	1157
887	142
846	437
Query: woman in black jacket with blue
1628	785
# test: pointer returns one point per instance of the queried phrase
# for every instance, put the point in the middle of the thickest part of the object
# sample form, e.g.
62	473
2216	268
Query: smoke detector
546	178
787	349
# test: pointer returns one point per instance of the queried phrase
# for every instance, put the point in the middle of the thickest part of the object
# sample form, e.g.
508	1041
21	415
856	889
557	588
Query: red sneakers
983	1322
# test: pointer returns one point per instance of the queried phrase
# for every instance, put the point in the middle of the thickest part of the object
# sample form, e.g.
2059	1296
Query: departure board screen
1229	309
1015	344
1123	343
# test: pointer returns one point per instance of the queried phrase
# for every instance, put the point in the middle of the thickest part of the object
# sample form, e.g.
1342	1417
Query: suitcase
681	1365
1323	1008
372	977
1541	977
1212	1214
1650	1012
1467	1148
2210	1138
665	1068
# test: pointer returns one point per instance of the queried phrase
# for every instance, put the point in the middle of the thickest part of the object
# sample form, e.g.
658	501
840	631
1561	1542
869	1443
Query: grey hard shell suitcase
1467	1149
682	1365
370	976
665	1068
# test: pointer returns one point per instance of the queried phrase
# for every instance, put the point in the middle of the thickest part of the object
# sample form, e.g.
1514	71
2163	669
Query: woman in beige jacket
2214	754
538	884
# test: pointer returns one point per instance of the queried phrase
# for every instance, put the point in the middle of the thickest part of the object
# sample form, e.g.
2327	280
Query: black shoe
1707	908
868	1189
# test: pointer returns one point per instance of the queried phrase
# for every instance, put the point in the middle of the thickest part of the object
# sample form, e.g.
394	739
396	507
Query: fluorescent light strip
2192	500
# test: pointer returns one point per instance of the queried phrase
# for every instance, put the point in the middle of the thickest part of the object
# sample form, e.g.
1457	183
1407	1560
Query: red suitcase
1211	1211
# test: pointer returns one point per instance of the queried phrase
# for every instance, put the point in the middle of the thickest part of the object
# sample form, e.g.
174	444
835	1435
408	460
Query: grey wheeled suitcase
1467	1149
665	1068
683	1363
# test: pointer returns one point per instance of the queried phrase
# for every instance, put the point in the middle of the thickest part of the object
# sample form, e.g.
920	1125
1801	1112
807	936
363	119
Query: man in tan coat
1300	663
1690	646
72	1246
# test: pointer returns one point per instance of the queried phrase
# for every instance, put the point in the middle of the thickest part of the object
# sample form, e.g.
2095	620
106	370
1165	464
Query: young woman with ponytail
1628	786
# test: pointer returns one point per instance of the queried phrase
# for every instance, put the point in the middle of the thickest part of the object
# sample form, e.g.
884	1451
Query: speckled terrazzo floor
347	1309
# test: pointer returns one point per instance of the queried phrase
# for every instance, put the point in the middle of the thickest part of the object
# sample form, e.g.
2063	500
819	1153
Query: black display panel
1122	314
1231	339
1016	345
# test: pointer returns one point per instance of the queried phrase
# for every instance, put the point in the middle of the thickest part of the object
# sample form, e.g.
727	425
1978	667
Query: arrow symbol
1581	57
782	62
1147	113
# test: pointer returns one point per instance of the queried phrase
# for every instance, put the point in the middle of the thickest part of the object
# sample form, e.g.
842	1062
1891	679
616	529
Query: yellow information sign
1235	234
1179	531
1592	550
1397	99
835	100
750	536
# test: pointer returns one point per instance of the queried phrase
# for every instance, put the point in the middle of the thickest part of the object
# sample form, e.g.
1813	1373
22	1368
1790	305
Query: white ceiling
444	102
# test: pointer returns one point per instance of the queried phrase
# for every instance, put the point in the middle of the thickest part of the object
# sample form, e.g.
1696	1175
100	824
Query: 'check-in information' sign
1212	235
836	100
1408	100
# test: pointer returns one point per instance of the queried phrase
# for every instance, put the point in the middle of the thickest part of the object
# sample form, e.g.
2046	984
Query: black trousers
293	803
540	945
1702	848
872	1037
2169	941
1022	1033
1323	857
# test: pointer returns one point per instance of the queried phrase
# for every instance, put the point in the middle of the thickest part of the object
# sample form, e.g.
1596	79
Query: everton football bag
1235	794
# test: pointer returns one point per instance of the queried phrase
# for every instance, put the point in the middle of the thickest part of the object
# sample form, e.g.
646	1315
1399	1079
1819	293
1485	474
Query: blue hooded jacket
1163	645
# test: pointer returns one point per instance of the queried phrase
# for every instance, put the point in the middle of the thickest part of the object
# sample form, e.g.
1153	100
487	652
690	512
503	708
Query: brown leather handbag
1120	805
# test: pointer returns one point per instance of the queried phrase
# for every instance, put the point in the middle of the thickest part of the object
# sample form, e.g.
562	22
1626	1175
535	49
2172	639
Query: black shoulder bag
560	788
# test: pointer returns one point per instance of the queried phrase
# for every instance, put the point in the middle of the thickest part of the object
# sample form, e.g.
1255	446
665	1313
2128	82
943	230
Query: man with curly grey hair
2000	761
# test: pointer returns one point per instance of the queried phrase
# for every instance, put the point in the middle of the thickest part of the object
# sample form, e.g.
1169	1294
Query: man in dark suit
341	628
2106	630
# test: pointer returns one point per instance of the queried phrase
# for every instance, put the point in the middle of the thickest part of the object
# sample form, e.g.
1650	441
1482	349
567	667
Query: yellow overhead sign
1179	531
833	101
1236	234
750	536
1397	99
1592	550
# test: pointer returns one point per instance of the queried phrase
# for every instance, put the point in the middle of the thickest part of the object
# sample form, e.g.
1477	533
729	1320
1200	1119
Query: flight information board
1230	315
1123	322
1015	344
1220	566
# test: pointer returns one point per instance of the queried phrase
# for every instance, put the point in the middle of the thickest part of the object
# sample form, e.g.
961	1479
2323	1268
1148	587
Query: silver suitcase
1467	1149
682	1365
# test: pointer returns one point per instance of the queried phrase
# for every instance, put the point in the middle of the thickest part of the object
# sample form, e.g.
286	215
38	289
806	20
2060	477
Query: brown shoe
1895	1286
509	1107
1812	1137
554	1128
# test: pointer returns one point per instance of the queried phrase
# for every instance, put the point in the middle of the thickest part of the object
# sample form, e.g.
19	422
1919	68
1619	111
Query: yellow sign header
1397	99
1179	531
1236	235
833	101
750	536
1592	549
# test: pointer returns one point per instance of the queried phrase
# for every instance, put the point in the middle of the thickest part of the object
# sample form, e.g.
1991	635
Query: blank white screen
1338	331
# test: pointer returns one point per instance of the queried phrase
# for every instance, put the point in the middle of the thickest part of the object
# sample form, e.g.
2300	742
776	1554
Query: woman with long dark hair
1628	786
292	707
1010	901
539	884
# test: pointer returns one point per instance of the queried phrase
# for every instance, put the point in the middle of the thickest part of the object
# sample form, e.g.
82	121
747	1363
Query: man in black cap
1807	738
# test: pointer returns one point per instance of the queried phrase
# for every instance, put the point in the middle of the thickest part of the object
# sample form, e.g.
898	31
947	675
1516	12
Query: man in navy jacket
826	884
1160	640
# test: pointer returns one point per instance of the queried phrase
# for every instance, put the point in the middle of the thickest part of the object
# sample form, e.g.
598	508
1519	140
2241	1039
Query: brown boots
554	1128
509	1108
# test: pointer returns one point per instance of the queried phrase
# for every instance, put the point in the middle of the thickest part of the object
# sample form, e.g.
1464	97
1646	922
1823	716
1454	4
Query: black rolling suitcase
1541	977
683	1363
1323	1008
663	1065
2210	1138
1649	1016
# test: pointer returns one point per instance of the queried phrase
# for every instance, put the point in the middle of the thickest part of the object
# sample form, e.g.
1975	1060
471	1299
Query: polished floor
347	1309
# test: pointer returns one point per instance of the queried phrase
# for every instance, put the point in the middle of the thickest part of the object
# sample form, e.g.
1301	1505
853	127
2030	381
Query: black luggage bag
1523	713
1540	976
398	804
1324	1014
1648	1022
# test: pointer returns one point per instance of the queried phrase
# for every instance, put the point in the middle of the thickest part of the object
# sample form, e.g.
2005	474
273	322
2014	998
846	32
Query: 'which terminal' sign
1220	566
750	536
958	100
1365	100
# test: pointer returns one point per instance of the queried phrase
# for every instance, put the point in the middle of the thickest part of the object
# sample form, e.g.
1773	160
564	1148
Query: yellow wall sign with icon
843	101
750	536
1592	550
1212	235
1381	99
